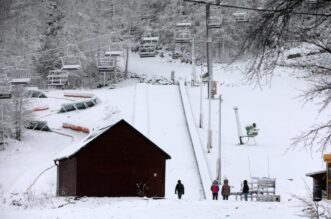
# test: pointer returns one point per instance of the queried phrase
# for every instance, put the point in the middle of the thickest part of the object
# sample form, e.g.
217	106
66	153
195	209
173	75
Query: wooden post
127	62
327	159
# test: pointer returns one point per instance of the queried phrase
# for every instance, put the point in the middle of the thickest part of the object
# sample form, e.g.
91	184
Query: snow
157	111
168	130
196	142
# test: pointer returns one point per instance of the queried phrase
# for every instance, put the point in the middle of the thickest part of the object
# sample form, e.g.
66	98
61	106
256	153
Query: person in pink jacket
214	189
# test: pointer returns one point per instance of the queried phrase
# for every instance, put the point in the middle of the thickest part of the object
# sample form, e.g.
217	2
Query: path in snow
170	132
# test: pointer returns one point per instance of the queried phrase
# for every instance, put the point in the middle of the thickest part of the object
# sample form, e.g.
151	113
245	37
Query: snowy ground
157	112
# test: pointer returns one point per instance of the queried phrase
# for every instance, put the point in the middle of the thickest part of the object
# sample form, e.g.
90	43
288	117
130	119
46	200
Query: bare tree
313	209
286	24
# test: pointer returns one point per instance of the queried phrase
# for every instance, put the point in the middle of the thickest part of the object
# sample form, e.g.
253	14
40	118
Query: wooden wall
67	172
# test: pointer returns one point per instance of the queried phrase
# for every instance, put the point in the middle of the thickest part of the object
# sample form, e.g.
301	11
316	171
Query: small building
327	159
116	161
319	186
322	181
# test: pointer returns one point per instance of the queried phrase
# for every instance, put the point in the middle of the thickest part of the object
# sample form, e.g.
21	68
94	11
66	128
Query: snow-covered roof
316	173
73	149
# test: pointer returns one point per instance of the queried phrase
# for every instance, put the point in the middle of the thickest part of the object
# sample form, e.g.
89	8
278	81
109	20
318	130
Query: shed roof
316	173
74	149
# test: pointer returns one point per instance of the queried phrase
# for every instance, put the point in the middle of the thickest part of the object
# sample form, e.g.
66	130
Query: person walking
179	190
245	190
214	189
226	190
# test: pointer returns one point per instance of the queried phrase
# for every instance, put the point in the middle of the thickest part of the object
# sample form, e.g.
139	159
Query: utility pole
115	79
219	167
194	75
210	77
201	112
2	146
209	65
127	62
209	55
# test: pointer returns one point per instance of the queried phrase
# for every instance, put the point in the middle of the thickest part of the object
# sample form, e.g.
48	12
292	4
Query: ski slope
169	130
157	112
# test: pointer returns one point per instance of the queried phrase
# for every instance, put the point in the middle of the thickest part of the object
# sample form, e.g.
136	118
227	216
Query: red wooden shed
116	161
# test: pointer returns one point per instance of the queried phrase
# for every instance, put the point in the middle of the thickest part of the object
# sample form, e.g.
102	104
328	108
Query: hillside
157	112
38	32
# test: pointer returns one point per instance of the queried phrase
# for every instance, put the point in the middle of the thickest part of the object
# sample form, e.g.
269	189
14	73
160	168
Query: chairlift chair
57	78
5	88
5	91
241	17
105	63
147	50
19	76
214	22
70	63
183	37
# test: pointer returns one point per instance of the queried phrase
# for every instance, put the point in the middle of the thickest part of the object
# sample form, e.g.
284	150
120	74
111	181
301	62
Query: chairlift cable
257	9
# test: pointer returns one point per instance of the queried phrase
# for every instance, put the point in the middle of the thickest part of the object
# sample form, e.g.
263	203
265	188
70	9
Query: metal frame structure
105	63
70	63
58	78
183	32
18	76
147	50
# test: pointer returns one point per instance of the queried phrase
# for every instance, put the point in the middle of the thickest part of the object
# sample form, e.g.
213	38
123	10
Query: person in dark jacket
245	190
179	190
226	190
214	189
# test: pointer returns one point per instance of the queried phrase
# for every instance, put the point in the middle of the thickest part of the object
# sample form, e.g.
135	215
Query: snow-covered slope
157	112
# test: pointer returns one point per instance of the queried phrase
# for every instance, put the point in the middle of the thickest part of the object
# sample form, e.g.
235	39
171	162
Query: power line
257	9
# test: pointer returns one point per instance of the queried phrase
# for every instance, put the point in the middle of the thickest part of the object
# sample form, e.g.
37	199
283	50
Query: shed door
156	182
